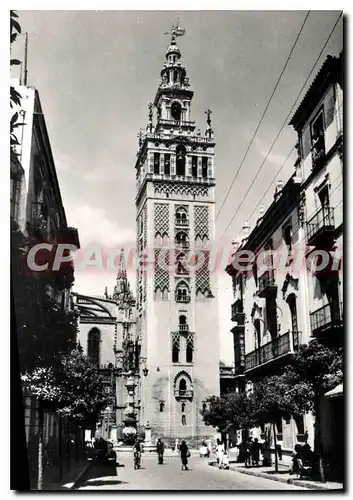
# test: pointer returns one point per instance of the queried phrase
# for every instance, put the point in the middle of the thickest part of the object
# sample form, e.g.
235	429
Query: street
169	476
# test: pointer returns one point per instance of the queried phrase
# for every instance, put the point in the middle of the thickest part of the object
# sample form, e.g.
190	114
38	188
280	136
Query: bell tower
177	308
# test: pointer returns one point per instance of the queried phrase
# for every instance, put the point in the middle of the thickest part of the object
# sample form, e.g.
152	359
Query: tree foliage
230	412
15	96
74	387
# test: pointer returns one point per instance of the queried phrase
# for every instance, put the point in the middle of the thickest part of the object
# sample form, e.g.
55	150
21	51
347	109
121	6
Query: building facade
177	316
291	290
107	334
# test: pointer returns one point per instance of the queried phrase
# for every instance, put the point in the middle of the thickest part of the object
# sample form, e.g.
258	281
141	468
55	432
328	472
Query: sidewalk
283	476
70	478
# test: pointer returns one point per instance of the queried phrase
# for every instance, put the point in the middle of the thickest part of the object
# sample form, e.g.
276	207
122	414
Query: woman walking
184	453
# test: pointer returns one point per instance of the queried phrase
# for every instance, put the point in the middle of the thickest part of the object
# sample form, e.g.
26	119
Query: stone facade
177	316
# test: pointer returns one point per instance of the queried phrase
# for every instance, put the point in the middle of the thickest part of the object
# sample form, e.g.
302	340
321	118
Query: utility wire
263	115
277	174
282	127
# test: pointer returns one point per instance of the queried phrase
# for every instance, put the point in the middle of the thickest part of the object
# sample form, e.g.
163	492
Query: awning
334	393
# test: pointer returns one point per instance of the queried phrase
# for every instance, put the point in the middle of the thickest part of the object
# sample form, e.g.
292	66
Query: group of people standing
183	450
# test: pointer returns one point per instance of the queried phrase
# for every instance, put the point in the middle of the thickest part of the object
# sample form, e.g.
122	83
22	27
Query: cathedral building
177	309
107	334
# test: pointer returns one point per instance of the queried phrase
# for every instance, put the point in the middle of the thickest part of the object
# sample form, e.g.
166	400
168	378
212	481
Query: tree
314	370
273	401
73	388
233	411
15	97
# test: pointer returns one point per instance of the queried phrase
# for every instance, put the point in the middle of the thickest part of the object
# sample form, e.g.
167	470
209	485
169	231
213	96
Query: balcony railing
272	350
183	328
267	283
323	317
181	244
182	298
181	222
237	312
183	394
176	123
320	224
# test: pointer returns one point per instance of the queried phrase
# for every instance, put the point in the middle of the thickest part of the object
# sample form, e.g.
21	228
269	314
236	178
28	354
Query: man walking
160	450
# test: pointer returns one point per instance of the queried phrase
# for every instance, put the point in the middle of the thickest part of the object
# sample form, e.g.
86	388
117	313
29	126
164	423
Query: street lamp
145	371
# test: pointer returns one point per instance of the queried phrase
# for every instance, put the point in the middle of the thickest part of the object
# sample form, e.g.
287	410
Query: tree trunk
60	449
317	440
40	449
275	445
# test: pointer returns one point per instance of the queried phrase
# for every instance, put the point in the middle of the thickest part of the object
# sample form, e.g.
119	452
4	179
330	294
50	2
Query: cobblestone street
169	476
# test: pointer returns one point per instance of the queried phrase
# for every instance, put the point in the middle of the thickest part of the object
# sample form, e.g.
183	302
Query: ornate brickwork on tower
177	312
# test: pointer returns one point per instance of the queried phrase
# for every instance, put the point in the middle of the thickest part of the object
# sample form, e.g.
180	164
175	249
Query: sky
96	72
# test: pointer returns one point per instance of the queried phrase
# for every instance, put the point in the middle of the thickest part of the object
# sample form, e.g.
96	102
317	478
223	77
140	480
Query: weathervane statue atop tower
176	31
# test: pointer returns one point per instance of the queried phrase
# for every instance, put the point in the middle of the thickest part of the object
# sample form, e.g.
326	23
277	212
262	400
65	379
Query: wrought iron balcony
187	394
182	298
272	350
238	314
321	226
267	284
324	318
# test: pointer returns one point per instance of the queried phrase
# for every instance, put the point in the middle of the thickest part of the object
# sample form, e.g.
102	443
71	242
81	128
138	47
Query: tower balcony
181	222
321	227
184	299
237	312
267	284
187	394
273	350
176	123
183	328
181	244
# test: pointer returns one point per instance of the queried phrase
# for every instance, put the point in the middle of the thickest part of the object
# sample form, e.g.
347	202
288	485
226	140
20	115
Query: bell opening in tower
180	160
176	111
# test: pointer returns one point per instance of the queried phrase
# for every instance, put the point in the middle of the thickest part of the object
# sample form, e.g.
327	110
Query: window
161	406
14	197
182	386
181	267
156	163
181	238
93	347
318	137
257	333
323	195
183	420
167	164
204	167
176	111
180	160
300	424
175	354
287	236
292	303
189	353
271	316
182	292
182	407
194	166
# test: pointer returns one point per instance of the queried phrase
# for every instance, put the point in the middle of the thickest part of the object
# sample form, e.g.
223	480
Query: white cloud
94	226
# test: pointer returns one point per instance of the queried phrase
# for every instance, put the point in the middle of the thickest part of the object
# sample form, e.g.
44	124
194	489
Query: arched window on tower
183	407
175	111
189	352
182	387
204	167
183	420
180	160
93	345
175	353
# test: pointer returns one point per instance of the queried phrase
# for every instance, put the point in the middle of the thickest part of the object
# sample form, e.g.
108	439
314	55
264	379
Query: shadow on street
100	475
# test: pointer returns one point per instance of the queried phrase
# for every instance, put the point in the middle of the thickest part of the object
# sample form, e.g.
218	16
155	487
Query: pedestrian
219	451
247	452
160	450
184	454
296	456
255	452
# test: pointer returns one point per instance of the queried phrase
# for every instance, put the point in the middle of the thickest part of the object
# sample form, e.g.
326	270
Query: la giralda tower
176	287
